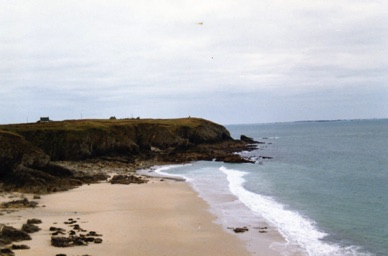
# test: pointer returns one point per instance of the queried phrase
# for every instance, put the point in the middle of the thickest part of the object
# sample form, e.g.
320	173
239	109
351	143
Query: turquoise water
325	188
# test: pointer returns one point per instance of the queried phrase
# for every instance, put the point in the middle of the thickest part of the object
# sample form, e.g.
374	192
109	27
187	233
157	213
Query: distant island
335	120
46	157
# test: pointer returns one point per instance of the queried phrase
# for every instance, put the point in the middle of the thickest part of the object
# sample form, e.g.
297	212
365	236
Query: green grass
100	124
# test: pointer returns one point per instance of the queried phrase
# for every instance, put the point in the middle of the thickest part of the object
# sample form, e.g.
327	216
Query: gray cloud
250	61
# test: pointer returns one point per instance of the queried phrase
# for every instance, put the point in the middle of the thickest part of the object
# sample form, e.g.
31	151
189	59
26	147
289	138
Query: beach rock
235	159
89	239
10	234
79	241
22	203
240	230
30	228
59	238
56	233
93	233
6	252
60	241
57	229
73	241
20	247
127	179
70	221
34	221
98	241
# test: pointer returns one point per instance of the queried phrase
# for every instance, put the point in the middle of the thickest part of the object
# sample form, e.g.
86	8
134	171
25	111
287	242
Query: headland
166	216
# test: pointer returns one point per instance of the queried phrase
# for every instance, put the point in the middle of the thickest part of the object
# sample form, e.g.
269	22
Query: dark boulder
20	247
22	203
30	228
247	139
34	221
235	159
10	234
97	240
60	241
240	230
127	179
6	252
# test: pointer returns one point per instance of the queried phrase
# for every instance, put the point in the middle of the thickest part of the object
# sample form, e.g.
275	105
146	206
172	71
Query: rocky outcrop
16	151
25	167
27	150
22	203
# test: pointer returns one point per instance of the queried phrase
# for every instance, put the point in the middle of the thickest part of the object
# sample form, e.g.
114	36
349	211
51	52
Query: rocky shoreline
68	233
29	165
44	158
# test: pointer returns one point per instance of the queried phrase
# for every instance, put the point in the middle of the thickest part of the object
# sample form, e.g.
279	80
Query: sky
232	62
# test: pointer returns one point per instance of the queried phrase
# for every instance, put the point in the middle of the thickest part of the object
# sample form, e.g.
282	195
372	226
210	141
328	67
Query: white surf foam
296	229
161	170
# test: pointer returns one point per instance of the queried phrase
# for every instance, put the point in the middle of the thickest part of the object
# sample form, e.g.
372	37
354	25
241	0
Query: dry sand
157	218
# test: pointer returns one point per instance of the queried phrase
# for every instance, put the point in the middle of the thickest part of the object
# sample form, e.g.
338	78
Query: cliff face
23	165
81	139
26	150
15	151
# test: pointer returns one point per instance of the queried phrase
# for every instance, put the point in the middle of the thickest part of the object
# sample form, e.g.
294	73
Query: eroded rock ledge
32	155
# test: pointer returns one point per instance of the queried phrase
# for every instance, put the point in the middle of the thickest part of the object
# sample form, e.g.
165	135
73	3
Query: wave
298	230
161	170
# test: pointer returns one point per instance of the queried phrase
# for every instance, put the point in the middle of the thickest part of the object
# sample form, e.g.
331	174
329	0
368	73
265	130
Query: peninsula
35	157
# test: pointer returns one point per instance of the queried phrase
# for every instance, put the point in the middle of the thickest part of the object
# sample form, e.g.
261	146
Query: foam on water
296	229
161	171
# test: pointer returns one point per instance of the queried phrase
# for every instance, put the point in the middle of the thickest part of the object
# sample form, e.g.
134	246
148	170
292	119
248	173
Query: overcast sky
245	61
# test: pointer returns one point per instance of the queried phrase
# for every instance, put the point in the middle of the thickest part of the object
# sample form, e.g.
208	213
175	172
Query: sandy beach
158	218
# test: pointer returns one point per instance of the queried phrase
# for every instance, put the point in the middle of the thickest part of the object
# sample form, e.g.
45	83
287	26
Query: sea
322	184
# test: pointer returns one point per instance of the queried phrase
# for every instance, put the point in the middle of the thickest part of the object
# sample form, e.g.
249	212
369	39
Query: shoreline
188	140
259	236
146	219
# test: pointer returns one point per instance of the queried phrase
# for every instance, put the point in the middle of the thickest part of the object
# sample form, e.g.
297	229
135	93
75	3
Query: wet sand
157	218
